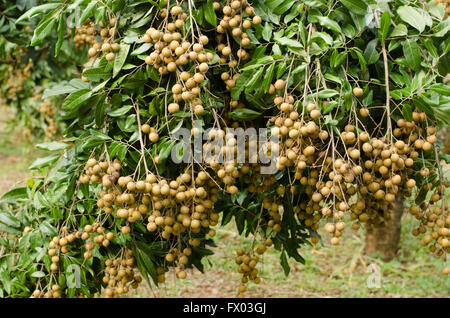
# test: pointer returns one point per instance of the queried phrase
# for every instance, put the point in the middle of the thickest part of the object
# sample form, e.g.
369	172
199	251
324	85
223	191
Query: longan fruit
182	275
334	241
364	112
126	229
154	137
330	227
256	20
110	56
173	108
203	67
358	91
279	84
315	113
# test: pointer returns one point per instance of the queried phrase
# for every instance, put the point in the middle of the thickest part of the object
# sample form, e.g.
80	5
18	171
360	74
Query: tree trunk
383	239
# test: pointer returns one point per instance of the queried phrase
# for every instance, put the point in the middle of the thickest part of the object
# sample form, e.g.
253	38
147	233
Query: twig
388	93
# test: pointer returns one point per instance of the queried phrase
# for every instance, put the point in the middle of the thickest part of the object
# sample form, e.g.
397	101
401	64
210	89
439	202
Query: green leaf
412	54
37	10
118	5
267	32
428	43
340	58
240	85
329	107
166	150
442	28
254	80
61	31
333	78
100	106
87	12
284	263
371	54
142	49
399	30
14	195
118	150
210	14
244	114
349	30
59	89
52	146
322	37
120	111
146	265
385	23
74	101
407	112
295	11
282	7
268	77
327	93
43	30
441	89
356	6
9	219
329	24
38	274
10	230
97	74
361	59
289	43
44	162
120	59
413	17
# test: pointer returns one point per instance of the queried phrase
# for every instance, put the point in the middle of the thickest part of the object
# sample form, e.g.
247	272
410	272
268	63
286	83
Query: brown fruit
110	56
358	92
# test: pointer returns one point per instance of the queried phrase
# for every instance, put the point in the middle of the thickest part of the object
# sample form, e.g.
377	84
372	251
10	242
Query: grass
340	271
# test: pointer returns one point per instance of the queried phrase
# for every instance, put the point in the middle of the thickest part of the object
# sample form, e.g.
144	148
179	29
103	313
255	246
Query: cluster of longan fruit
184	206
234	14
108	45
247	263
434	217
16	79
234	20
172	207
102	172
84	35
181	259
273	205
171	52
357	164
152	133
95	234
48	109
120	275
219	154
53	291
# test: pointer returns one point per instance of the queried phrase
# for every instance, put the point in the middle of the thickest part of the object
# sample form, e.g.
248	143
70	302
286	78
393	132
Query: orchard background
97	202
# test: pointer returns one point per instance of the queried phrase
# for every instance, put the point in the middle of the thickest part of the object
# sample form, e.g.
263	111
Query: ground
341	271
